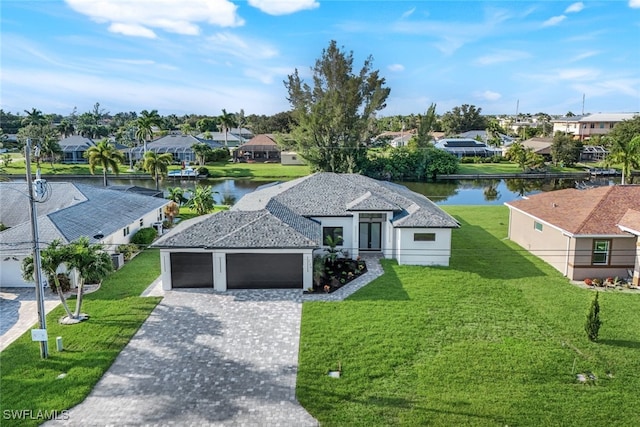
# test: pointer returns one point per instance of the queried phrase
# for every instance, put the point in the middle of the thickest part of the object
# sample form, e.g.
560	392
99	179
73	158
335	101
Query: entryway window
601	252
334	232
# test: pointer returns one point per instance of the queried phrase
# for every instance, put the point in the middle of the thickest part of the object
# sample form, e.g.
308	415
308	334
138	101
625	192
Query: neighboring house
235	137
105	216
73	148
268	238
465	147
583	127
590	233
538	145
180	146
261	148
291	158
483	136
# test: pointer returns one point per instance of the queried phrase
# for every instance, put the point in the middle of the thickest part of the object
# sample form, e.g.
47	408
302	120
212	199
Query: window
537	226
424	237
334	232
601	125
141	222
601	252
592	126
125	231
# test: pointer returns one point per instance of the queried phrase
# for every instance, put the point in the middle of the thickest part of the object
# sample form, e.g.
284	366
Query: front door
370	236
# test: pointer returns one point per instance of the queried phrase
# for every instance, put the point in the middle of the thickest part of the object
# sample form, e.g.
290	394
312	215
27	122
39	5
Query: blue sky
200	56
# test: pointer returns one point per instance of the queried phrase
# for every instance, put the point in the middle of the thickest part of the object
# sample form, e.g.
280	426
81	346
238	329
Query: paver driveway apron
205	358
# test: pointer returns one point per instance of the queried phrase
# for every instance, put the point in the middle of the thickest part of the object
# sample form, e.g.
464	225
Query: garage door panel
191	270
263	271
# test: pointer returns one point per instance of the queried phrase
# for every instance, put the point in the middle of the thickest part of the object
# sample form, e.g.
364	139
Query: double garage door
244	270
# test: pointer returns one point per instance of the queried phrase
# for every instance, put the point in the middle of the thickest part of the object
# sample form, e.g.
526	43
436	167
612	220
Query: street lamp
40	335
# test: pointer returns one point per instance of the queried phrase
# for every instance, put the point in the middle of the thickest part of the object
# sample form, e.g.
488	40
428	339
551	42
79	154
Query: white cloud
555	20
575	7
235	46
139	18
583	74
408	13
132	30
502	56
487	95
583	55
396	67
634	4
283	7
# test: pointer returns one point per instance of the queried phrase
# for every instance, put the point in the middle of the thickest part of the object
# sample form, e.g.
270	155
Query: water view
443	192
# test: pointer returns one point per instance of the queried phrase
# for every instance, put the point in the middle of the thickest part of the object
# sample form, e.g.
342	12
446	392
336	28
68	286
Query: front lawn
507	168
117	311
495	339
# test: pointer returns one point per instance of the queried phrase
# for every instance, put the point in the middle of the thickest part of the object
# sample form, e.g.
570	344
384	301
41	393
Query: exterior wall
569	255
112	241
411	252
11	272
289	158
550	244
622	258
348	229
567	127
220	263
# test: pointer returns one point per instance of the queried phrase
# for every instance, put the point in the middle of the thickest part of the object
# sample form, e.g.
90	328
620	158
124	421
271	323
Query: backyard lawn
495	339
216	170
117	311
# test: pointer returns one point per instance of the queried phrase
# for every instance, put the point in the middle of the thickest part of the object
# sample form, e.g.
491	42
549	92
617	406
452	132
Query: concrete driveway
19	312
205	358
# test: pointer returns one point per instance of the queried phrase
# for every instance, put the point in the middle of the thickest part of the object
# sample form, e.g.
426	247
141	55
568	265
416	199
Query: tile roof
593	211
262	140
278	215
76	210
174	143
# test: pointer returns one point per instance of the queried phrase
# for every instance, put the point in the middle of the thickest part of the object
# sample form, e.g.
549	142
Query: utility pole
37	264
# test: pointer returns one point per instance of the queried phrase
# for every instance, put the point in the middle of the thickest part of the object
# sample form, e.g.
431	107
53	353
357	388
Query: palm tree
92	265
51	258
626	153
171	210
201	150
34	117
51	147
202	200
493	133
146	122
176	194
65	128
157	165
227	121
105	155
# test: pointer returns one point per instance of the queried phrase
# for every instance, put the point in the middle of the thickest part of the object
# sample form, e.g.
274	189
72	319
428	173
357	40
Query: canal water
443	192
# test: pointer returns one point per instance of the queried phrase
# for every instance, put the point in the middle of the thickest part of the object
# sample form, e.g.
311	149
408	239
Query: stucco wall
549	244
411	252
622	258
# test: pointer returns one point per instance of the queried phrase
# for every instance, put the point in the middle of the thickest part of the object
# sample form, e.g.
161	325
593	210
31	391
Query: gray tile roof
175	144
245	229
277	215
76	210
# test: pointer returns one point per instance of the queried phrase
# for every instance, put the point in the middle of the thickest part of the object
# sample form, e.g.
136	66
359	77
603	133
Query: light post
44	350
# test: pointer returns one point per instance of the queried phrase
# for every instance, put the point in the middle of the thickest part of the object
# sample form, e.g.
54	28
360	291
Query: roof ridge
262	215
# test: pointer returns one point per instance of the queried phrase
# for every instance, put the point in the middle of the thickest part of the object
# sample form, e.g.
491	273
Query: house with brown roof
590	233
260	148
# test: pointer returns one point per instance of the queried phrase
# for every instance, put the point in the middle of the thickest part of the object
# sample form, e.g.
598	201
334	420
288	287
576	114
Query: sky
201	56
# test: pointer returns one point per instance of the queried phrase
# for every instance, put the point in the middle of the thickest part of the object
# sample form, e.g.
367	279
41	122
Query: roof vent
553	205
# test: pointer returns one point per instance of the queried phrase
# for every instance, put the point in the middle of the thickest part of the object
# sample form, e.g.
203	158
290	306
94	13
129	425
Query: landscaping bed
332	274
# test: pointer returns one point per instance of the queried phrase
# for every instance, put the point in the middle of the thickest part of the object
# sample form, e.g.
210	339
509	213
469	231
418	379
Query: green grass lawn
256	171
506	167
117	311
495	339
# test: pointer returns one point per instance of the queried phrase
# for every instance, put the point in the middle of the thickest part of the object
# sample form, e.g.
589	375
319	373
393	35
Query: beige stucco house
590	233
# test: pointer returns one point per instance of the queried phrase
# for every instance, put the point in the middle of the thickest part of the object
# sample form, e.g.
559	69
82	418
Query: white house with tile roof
268	238
105	216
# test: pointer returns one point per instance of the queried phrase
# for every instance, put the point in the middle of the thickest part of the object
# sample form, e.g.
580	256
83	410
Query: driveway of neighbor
19	312
205	358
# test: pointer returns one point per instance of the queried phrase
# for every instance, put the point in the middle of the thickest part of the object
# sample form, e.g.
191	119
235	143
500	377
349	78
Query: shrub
144	236
588	282
593	323
202	170
127	250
